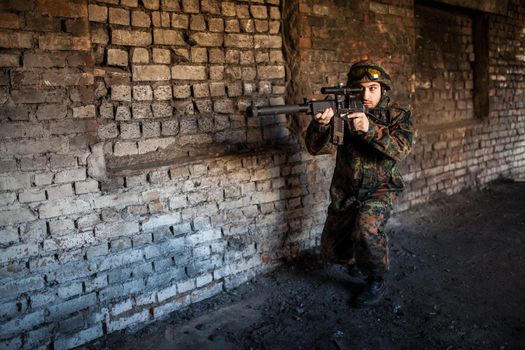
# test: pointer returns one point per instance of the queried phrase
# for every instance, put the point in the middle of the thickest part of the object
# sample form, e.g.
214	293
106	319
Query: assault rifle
344	102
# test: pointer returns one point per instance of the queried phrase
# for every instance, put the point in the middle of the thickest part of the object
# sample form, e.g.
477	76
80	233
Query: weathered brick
197	23
232	26
259	11
180	21
140	55
140	19
238	40
70	175
19	130
62	161
60	191
186	72
190	6
152	145
98	13
169	127
43	179
223	106
130	131
151	73
248	73
33	163
116	229
123	113
107	131
141	110
118	16
199	55
142	93
61	226
270	72
125	149
247	25
217	89
162	93
8	235
275	12
98	250
33	195
228	9
63	8
63	207
162	110
66	77
7	198
117	57
216	56
170	5
167	37
67	307
121	93
161	56
14	181
18	251
130	37
9	20
152	4
216	25
276	56
84	112
99	35
201	90
150	129
82	337
208	39
267	41
32	95
217	73
16	40
261	26
54	111
129	3
9	60
56	41
181	91
21	324
275	27
242	11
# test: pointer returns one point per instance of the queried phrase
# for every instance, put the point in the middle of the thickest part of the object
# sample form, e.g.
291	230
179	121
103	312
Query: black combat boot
371	294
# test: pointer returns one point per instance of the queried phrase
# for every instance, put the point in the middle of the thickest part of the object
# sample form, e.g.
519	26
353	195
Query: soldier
366	179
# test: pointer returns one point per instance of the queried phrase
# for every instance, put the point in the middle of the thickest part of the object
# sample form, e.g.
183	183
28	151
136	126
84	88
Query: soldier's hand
359	122
325	117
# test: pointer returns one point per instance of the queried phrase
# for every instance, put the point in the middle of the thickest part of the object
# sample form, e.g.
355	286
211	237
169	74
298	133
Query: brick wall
444	74
131	185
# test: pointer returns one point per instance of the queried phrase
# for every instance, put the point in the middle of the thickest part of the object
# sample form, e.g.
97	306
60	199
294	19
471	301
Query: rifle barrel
340	90
280	109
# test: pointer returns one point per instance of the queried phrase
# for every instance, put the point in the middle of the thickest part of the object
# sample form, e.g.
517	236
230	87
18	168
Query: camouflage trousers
357	234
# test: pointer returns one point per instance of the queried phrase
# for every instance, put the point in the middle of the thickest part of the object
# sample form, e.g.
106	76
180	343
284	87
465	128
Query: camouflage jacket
367	162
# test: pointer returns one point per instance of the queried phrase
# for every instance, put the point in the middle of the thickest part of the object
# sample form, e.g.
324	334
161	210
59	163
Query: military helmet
368	70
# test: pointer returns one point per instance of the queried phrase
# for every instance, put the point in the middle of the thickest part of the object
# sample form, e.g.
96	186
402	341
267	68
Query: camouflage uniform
365	183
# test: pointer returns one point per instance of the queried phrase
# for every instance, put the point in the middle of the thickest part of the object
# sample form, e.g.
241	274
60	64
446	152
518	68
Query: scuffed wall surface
131	185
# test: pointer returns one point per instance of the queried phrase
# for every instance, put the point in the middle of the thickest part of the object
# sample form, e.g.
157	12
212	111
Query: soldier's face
370	93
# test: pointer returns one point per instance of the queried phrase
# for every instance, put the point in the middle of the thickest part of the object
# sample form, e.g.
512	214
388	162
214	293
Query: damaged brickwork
131	184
